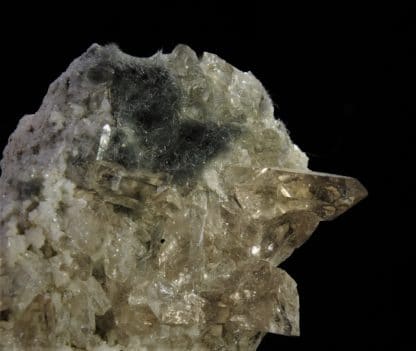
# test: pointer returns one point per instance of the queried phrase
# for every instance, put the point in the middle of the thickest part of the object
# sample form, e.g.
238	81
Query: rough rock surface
146	205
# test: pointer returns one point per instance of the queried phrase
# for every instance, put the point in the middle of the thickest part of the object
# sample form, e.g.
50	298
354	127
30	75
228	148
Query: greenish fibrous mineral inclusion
147	206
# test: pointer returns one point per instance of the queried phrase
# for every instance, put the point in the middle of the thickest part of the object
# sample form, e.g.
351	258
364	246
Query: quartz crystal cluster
147	205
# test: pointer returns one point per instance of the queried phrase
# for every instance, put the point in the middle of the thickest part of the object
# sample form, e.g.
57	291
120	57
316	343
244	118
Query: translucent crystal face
161	198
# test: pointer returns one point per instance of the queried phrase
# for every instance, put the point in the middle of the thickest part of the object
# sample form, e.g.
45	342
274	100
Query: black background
339	77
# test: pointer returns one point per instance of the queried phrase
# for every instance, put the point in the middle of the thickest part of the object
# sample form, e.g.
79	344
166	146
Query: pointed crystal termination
147	205
326	195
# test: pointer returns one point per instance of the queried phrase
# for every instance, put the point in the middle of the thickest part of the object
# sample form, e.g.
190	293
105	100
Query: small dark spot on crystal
28	189
100	73
4	315
98	272
21	228
47	250
162	241
53	138
32	206
35	149
123	210
104	323
107	177
31	129
61	208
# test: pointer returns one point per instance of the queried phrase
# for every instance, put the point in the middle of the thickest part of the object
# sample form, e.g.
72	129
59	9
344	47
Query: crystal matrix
146	206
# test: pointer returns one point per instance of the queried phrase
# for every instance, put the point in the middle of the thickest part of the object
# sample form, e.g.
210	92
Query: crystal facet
147	205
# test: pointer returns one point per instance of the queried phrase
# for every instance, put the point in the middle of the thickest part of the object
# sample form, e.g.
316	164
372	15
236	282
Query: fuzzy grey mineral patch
146	205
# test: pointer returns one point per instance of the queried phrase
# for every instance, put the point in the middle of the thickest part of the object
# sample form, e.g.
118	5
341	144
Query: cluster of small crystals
146	205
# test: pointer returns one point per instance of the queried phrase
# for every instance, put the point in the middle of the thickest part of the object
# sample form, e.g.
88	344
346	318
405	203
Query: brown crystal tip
274	192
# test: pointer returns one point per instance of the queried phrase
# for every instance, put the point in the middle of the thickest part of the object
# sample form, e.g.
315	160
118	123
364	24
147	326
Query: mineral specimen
146	206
